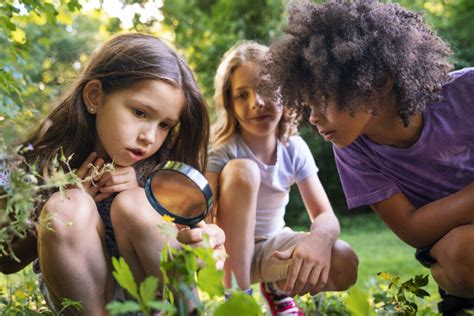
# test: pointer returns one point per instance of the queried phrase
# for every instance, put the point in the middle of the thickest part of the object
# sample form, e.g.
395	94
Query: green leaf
421	280
239	304
163	306
148	289
124	276
357	302
210	281
421	293
74	5
123	307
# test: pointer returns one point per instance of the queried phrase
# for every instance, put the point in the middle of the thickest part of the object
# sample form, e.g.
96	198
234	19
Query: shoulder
296	144
459	81
458	96
230	147
461	74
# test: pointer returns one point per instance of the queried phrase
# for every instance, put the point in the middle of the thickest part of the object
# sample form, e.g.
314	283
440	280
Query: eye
242	95
164	126
139	113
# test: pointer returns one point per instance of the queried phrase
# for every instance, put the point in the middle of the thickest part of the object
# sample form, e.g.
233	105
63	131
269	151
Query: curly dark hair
346	50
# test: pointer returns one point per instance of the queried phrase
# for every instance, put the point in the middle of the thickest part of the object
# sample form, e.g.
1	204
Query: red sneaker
280	304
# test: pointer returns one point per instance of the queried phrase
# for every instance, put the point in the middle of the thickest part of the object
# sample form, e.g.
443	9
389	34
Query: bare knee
344	265
240	173
66	215
131	208
455	256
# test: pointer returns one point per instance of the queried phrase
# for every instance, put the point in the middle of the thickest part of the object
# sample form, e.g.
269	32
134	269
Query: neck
262	146
386	128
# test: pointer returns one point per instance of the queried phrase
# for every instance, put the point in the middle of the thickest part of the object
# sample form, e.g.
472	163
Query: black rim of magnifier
196	178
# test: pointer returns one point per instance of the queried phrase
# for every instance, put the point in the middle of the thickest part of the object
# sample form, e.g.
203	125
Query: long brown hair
121	62
226	124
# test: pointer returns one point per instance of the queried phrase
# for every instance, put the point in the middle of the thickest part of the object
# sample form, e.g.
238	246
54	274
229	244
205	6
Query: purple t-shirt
440	163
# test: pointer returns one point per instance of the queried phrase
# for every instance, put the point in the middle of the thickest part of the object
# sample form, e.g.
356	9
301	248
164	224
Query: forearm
24	250
439	217
326	226
425	226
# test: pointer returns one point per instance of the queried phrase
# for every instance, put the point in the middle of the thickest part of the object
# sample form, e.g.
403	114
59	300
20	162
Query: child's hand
309	266
118	180
194	237
87	170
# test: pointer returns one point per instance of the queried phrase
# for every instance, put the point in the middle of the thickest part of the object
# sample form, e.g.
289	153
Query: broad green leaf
239	304
124	276
357	302
148	289
210	281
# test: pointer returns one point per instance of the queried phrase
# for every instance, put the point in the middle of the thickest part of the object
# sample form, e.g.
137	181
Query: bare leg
239	182
454	254
139	238
71	251
344	265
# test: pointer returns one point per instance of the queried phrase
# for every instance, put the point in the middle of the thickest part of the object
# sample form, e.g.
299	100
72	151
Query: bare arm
311	257
426	225
324	222
24	249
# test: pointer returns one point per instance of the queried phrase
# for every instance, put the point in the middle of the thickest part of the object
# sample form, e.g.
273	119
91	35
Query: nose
314	117
258	102
148	134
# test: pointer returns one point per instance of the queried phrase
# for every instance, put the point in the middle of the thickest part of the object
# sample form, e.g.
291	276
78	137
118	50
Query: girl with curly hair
374	80
255	159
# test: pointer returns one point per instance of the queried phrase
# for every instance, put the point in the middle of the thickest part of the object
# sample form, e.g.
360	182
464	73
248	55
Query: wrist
322	235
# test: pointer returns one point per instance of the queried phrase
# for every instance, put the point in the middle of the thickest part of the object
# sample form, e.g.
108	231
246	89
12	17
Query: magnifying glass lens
179	191
178	194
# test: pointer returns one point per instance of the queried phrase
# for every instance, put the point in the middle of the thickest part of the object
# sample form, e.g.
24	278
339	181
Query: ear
92	94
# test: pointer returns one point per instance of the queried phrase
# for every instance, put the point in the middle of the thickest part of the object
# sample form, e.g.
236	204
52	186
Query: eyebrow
242	88
150	108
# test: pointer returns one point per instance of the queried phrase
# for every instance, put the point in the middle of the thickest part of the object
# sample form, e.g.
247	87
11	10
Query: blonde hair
226	124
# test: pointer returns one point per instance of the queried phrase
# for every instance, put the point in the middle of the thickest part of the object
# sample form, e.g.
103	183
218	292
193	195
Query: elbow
412	237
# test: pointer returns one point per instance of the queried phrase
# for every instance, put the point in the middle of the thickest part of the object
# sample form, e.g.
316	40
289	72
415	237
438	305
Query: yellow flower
168	218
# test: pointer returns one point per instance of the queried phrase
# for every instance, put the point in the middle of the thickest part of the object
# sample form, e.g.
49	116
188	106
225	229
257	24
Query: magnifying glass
179	191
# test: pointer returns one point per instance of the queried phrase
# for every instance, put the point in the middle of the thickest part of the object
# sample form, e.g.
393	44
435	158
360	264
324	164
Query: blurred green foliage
45	43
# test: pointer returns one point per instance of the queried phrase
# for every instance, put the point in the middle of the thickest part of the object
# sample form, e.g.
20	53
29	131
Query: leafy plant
398	298
391	297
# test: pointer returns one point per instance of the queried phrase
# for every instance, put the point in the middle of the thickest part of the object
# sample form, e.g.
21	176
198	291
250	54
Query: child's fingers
293	272
101	196
190	236
284	255
302	277
114	179
85	168
117	188
104	178
322	280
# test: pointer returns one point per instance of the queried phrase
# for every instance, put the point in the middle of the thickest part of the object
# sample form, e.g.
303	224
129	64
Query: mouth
136	153
260	117
327	134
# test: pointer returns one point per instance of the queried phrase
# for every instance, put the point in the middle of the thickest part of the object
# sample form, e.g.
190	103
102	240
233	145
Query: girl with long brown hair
136	103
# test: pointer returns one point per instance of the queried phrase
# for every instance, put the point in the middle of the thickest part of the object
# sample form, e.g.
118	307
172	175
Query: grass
379	249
